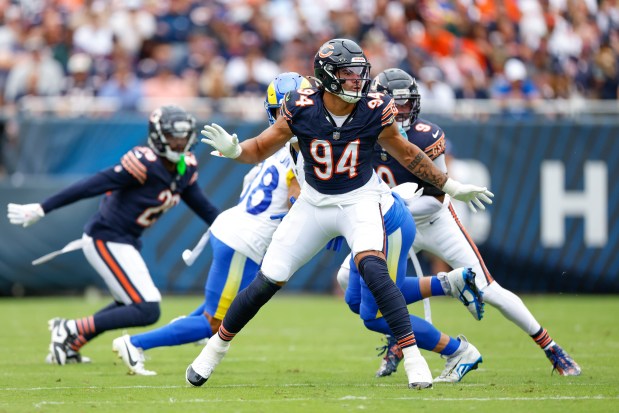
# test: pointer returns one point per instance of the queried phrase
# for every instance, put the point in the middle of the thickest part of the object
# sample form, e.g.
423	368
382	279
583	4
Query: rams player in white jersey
239	238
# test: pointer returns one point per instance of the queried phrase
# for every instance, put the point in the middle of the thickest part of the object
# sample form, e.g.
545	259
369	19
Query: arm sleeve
195	199
107	180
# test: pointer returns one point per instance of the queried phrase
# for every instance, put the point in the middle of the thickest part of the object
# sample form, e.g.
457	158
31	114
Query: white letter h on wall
557	203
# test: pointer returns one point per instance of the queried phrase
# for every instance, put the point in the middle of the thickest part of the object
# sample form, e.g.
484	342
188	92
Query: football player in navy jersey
439	231
337	126
239	238
147	182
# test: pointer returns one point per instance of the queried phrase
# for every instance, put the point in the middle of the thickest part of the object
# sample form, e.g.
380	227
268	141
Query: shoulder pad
135	162
296	100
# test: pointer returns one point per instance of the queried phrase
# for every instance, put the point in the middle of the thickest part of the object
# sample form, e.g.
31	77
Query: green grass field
310	354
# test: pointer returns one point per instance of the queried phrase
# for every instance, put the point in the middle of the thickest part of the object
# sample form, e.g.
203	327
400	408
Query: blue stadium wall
553	226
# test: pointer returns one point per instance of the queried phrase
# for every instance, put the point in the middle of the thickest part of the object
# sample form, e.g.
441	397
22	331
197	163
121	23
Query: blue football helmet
283	83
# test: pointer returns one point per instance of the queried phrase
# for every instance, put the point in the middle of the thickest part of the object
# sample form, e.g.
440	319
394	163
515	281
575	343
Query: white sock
512	307
210	356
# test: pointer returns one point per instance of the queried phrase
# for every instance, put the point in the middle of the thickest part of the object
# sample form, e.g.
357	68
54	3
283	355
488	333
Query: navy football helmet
339	60
283	83
171	122
403	88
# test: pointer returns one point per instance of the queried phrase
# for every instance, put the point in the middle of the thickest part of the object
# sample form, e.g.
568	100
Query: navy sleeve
195	199
106	180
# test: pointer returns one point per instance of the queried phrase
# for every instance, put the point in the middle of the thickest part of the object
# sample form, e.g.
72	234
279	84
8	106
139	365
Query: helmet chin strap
348	98
405	124
171	155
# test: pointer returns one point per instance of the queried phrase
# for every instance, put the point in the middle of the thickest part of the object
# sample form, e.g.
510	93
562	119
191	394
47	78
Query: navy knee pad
388	297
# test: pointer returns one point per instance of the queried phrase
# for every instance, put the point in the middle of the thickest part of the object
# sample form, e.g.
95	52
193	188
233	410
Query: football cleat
73	357
132	356
460	363
60	336
195	379
393	356
562	362
211	355
460	283
417	371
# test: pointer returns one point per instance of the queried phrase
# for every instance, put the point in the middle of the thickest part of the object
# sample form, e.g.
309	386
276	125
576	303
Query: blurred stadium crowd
133	50
95	57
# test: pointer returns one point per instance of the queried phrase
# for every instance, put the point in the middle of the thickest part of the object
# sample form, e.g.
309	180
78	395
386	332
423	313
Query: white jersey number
259	196
150	215
322	152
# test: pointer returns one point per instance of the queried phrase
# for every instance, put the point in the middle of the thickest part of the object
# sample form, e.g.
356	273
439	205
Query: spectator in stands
438	96
515	91
36	74
166	86
131	25
252	68
79	82
95	35
607	76
578	39
124	86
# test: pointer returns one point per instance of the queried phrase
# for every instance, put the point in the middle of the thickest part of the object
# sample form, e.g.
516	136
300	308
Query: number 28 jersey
248	227
337	160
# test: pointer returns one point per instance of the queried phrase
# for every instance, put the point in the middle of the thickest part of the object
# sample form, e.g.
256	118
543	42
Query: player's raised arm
416	161
252	150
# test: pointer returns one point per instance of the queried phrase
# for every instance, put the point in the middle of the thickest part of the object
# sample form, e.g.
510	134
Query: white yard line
256	386
343	399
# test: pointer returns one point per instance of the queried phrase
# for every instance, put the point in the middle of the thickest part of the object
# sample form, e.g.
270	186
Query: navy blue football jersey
337	160
149	191
427	136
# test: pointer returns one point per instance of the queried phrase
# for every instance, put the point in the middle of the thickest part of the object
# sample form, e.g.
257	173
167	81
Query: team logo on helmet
326	51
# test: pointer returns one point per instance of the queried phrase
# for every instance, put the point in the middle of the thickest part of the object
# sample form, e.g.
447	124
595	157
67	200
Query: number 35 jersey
247	227
337	160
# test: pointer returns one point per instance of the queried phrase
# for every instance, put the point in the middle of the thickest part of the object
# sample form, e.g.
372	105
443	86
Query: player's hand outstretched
227	145
24	215
472	195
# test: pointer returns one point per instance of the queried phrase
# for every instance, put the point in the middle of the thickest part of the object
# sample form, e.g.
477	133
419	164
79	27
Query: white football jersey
247	227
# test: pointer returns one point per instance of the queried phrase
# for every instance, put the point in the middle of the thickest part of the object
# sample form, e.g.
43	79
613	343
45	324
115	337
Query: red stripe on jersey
489	278
194	178
134	159
389	114
286	113
132	169
437	148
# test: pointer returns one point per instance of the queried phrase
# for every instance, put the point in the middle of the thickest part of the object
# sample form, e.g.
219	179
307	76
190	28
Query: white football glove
470	194
218	138
24	215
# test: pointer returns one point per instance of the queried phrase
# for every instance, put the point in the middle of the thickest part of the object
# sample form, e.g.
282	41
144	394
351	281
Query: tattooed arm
418	163
411	156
